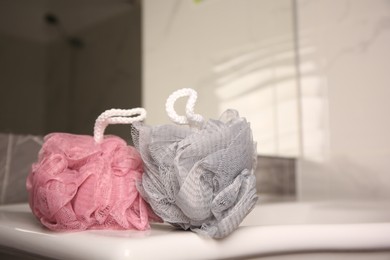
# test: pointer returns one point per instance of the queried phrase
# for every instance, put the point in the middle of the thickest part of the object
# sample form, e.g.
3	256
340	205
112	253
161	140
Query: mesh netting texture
78	184
199	178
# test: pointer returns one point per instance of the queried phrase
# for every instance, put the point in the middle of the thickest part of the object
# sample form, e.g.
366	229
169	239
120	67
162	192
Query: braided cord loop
116	116
190	118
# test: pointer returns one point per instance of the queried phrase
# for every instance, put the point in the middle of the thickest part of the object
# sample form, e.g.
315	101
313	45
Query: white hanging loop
191	117
116	116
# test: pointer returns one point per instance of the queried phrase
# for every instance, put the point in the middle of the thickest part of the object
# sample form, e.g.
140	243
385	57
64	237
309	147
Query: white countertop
21	231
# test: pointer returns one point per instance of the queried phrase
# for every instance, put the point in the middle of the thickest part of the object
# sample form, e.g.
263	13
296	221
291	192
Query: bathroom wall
60	76
235	53
344	67
335	120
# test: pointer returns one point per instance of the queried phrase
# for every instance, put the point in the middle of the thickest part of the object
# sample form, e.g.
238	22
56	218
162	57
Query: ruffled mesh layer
78	184
199	179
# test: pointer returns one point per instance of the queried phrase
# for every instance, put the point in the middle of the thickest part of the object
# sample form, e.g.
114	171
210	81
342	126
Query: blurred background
311	76
64	62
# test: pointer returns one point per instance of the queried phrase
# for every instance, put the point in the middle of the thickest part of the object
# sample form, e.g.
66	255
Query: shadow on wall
261	81
276	178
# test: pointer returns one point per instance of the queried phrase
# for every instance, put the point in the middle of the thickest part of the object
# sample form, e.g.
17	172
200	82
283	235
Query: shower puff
82	182
198	177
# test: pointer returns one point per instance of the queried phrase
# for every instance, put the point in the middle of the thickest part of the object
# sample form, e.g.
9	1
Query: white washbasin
270	229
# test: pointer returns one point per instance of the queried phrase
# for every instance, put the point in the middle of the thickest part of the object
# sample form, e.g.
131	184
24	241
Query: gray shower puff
199	178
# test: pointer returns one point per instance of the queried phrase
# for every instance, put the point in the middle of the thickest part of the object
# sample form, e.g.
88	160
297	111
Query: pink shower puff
80	184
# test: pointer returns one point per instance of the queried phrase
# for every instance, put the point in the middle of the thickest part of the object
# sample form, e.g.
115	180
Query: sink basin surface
270	229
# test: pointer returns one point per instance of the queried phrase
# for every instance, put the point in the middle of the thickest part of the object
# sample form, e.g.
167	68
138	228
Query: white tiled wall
345	61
